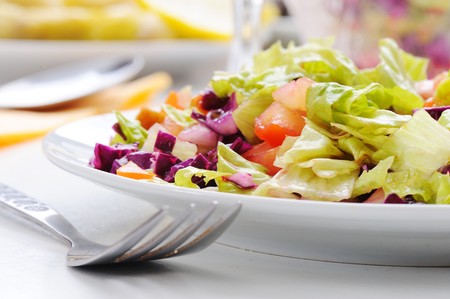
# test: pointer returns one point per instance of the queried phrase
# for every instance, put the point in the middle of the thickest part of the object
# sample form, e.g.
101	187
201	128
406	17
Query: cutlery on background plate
173	239
69	82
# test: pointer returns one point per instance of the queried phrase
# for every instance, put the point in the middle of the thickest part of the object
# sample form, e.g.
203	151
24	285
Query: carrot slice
133	171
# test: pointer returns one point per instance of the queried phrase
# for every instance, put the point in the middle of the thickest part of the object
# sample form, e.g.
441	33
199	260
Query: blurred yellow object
121	19
77	20
204	19
19	125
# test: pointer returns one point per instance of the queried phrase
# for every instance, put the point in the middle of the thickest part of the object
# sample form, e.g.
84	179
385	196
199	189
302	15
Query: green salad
303	122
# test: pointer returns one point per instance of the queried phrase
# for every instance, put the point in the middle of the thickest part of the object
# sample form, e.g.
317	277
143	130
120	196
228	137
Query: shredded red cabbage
435	112
142	159
210	101
200	135
220	120
198	161
240	146
445	169
165	142
104	155
163	162
118	129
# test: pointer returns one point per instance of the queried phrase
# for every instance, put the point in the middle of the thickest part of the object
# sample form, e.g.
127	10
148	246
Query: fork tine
123	245
209	235
181	237
134	253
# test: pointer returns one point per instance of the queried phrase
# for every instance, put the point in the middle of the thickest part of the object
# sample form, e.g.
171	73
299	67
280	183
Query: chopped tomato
133	171
277	122
264	154
293	94
148	117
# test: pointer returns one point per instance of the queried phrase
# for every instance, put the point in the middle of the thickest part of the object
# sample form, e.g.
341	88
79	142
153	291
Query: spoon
68	82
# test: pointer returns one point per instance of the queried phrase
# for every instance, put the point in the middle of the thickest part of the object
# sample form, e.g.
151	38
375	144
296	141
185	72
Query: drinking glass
247	36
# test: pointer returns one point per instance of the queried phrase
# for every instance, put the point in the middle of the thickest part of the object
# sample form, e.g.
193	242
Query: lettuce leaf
309	145
444	120
184	176
181	117
409	182
132	130
397	72
421	145
354	111
231	162
442	96
372	179
441	186
318	179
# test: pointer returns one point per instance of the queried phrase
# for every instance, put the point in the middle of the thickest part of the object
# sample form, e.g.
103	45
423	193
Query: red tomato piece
264	154
277	122
293	94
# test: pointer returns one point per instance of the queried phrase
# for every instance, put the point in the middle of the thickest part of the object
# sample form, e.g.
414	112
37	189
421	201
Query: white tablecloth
32	263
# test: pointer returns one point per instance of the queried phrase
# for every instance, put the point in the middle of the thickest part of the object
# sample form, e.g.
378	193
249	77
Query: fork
170	240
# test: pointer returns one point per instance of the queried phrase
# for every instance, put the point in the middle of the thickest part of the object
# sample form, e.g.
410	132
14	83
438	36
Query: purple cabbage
198	161
220	120
210	101
201	135
445	169
165	142
143	159
436	112
395	199
118	129
163	162
240	146
105	155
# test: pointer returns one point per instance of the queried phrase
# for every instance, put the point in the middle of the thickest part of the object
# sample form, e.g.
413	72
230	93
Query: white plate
193	59
413	235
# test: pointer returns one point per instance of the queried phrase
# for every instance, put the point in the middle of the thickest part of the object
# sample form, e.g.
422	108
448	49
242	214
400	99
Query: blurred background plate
192	59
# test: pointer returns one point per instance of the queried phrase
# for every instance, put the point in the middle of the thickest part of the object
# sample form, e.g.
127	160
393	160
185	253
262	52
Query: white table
32	263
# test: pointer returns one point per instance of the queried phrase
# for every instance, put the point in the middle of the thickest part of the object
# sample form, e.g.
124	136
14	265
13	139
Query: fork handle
37	212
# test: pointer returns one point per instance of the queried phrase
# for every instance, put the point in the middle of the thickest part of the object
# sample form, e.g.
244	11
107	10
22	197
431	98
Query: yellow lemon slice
209	19
204	19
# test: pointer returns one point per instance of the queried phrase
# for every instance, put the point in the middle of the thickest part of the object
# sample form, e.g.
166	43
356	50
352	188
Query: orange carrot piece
172	100
133	171
148	117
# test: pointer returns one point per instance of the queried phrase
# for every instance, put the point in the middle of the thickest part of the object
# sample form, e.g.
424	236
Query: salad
303	122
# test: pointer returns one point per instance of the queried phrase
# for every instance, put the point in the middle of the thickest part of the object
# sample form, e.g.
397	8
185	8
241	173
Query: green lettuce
373	179
440	183
354	111
444	120
397	72
309	145
181	117
231	162
442	96
317	179
421	145
184	176
132	130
